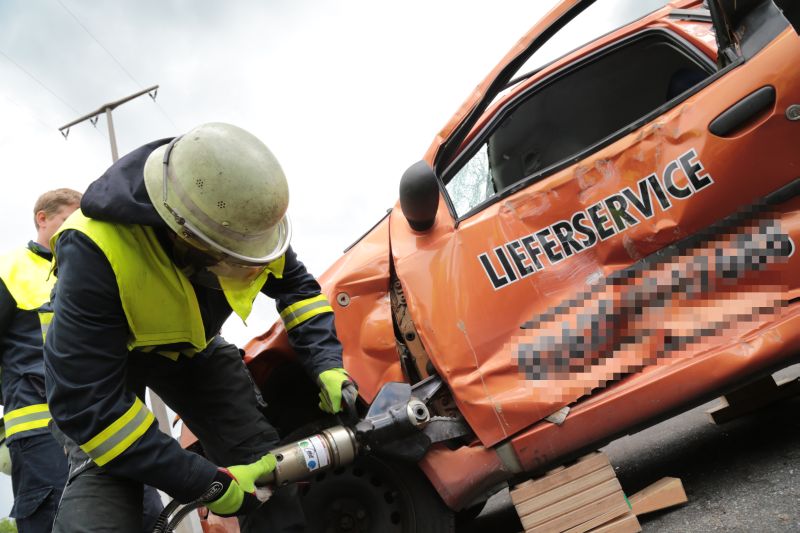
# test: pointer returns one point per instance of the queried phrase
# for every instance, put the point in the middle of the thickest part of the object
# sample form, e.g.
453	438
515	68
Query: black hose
181	514
163	519
172	515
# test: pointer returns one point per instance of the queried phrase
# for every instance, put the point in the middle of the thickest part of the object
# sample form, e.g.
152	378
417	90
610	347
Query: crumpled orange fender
357	286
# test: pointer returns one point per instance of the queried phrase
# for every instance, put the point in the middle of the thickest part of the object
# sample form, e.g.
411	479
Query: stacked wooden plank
585	496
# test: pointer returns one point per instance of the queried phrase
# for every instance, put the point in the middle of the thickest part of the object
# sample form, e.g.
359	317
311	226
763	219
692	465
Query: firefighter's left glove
234	492
331	383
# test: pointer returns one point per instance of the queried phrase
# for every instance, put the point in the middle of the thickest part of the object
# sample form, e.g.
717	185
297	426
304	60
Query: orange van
591	244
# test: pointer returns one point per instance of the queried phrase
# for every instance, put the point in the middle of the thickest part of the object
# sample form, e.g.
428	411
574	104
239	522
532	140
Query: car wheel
374	495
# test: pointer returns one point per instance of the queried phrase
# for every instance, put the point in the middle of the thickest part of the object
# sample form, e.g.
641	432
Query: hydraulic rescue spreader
398	423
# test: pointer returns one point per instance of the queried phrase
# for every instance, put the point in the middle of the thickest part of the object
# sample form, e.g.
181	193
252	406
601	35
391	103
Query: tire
374	495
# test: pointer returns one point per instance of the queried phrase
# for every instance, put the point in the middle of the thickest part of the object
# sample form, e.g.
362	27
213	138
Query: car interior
586	105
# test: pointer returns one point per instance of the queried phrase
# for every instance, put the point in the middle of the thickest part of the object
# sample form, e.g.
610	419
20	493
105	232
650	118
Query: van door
584	167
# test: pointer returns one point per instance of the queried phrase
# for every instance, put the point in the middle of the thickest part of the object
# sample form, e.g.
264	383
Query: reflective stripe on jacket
25	419
301	311
119	435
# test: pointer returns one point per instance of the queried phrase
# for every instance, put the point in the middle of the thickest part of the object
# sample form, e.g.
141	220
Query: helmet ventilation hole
221	204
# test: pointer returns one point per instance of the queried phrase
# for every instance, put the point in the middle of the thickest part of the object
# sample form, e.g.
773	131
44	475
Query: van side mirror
419	196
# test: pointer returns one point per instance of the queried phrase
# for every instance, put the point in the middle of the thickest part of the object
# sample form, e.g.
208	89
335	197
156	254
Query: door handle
742	112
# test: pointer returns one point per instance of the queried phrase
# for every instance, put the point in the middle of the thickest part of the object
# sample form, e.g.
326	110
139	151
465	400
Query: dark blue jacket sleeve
314	340
7	308
85	366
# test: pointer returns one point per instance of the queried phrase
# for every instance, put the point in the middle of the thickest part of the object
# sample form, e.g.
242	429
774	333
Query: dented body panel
357	286
642	276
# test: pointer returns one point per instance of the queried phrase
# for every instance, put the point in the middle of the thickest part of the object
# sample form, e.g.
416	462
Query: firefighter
38	463
171	240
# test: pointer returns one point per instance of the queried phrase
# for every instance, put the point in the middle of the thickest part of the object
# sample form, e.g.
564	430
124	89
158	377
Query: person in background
38	463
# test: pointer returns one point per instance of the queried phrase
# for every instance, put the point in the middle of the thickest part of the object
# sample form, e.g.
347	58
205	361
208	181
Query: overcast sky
346	94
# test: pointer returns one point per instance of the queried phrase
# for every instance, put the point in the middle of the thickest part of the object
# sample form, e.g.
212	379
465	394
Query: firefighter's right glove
331	383
233	491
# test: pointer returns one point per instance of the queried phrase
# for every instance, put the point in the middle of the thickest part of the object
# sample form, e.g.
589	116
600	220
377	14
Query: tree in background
7	525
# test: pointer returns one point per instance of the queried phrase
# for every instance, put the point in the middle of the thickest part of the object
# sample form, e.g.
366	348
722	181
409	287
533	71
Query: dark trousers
38	475
216	398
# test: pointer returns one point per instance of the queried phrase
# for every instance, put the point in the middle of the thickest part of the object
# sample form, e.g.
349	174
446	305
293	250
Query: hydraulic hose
162	524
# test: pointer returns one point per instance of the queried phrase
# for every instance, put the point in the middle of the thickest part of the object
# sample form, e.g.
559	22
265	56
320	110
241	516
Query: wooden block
664	493
617	510
579	502
625	524
556	469
571	473
752	397
562	522
565	491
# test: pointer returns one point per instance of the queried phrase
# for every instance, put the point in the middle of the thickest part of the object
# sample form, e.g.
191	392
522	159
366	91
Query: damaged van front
600	238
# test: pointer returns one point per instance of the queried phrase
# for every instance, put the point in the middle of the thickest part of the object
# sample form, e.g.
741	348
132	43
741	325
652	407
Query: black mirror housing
419	196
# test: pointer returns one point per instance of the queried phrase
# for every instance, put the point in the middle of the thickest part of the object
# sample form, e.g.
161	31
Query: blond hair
52	201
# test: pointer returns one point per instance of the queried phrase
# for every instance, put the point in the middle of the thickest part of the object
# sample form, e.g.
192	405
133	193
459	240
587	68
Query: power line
34	78
99	43
119	64
31	113
41	84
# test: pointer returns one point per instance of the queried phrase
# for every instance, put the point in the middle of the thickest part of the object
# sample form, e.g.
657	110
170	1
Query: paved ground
743	476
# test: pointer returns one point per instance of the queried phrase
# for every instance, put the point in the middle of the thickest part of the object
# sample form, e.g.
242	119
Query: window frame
512	102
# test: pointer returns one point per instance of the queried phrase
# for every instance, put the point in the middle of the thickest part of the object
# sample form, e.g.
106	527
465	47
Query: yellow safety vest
27	277
159	302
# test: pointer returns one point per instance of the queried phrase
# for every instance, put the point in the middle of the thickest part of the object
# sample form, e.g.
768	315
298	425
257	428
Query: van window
598	19
561	118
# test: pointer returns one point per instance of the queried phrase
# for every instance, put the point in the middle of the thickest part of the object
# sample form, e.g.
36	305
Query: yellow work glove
330	384
233	491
